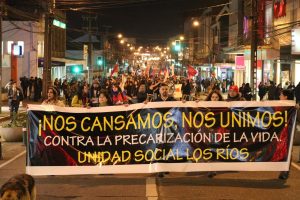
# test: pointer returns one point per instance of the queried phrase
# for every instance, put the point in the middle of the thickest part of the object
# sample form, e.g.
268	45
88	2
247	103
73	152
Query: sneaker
211	174
160	174
284	175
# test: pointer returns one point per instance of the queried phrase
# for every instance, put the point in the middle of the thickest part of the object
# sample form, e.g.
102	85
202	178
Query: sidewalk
5	114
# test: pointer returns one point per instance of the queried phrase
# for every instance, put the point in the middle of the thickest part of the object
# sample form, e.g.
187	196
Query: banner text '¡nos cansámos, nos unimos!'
157	120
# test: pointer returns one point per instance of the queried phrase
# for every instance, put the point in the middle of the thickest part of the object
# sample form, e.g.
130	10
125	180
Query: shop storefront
60	68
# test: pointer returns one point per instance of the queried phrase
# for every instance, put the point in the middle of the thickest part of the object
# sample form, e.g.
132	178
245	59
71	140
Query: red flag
191	71
152	71
115	70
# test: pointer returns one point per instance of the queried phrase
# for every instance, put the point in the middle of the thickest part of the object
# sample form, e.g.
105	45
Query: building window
21	47
9	43
40	49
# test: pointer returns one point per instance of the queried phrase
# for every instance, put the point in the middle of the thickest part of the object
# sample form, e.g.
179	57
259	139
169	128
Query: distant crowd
125	89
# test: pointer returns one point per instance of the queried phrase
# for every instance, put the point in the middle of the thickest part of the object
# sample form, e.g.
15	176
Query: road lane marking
151	190
296	166
13	159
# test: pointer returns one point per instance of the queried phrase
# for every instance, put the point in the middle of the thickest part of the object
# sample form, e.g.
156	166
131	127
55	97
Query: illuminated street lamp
122	41
196	23
181	38
120	35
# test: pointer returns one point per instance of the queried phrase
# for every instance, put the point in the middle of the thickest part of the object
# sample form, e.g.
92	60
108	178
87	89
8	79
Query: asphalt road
186	186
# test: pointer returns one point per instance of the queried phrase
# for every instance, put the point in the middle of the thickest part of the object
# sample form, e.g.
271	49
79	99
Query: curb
5	118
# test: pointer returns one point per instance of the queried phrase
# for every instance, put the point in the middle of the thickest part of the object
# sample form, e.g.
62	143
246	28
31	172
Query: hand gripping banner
161	136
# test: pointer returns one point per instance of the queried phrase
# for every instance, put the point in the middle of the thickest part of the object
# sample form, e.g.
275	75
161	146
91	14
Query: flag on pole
172	70
191	71
166	74
115	70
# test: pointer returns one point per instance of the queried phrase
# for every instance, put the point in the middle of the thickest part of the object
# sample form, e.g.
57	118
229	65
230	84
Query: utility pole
48	46
90	29
1	15
105	53
253	79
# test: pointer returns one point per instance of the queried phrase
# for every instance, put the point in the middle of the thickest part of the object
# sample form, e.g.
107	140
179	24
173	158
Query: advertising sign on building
296	41
239	62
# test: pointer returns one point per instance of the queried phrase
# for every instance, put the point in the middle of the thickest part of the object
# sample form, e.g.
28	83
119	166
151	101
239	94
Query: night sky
151	23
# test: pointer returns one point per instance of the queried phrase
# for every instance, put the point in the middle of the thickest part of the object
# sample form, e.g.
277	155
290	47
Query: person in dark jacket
186	88
141	94
247	92
94	94
164	96
262	91
272	91
285	94
164	93
15	95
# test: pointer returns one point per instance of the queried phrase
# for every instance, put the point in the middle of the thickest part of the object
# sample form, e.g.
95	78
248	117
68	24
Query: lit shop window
9	43
21	48
18	48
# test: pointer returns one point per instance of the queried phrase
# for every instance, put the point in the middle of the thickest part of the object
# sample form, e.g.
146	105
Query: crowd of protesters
136	89
124	90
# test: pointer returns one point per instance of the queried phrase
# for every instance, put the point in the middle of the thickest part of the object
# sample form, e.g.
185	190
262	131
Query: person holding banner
164	96
164	93
53	98
104	99
81	99
233	94
118	97
213	96
94	93
141	94
285	94
154	87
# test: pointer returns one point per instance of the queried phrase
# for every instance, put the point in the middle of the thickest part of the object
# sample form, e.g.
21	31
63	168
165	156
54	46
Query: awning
60	62
234	50
70	61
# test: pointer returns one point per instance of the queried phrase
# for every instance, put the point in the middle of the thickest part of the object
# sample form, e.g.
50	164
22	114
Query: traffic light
177	45
99	60
75	69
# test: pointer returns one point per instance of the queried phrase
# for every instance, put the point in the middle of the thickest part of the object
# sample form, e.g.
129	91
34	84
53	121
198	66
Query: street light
181	38
210	47
120	35
196	23
122	41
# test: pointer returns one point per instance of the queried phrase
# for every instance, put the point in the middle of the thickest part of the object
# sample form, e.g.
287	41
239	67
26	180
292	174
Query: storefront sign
239	62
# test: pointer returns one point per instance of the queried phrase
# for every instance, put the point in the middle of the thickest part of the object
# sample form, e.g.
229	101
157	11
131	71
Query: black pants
14	106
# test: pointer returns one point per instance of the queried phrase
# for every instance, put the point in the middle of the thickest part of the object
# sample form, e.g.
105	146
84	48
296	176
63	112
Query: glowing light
196	23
